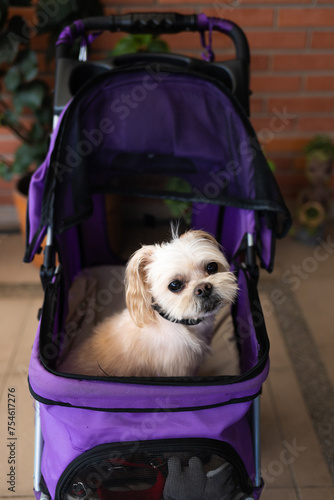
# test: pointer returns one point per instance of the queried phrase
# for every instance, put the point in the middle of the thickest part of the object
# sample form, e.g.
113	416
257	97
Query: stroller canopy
130	130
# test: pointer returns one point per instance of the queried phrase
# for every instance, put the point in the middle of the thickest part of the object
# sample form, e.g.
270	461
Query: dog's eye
212	267
175	286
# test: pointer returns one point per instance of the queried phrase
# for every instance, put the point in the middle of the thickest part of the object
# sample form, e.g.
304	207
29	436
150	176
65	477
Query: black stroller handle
155	23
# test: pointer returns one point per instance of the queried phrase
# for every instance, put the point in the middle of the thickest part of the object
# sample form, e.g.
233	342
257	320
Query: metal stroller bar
38	446
156	23
234	72
256	409
48	268
256	406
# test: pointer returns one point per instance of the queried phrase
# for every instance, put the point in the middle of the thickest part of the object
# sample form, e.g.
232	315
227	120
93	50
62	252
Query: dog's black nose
203	290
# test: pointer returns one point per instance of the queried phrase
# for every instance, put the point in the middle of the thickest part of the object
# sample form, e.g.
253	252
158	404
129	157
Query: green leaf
28	155
12	79
158	46
126	45
143	40
30	95
178	184
179	208
24	157
9	118
272	165
37	132
8	49
5	172
16	34
44	114
322	145
131	44
27	64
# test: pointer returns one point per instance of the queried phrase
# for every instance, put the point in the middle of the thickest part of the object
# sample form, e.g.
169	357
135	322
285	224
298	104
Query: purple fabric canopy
137	124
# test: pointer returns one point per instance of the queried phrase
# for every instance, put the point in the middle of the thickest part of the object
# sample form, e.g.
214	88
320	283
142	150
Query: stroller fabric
127	132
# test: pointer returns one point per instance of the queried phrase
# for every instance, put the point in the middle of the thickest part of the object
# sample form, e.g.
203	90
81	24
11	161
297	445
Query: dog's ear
137	295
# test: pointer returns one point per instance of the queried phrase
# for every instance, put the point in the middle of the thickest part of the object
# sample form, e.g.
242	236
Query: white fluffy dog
173	291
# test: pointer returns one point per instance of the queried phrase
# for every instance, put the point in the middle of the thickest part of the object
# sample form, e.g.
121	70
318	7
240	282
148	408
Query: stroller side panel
78	431
230	224
86	412
106	393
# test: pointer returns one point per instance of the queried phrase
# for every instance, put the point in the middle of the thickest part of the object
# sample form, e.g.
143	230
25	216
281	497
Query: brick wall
292	70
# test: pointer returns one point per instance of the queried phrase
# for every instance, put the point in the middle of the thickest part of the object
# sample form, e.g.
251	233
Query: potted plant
26	101
313	205
320	149
319	160
25	105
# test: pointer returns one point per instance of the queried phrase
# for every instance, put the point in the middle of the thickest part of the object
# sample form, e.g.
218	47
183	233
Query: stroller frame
234	73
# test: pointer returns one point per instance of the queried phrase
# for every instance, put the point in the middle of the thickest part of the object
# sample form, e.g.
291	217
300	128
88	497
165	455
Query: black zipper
104	451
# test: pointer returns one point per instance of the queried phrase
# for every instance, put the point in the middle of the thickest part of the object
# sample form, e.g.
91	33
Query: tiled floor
297	404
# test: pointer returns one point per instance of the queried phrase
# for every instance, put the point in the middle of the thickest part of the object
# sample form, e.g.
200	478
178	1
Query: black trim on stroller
51	402
47	341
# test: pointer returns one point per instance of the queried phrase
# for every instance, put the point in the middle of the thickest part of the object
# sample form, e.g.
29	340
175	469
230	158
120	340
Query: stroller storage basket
151	467
133	132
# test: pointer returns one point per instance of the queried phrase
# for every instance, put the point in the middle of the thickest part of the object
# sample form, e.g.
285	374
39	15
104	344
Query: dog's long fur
139	341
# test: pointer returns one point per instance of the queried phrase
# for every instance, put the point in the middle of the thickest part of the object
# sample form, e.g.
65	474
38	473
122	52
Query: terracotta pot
20	196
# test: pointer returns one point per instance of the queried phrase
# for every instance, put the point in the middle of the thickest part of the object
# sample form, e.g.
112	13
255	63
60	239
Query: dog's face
186	279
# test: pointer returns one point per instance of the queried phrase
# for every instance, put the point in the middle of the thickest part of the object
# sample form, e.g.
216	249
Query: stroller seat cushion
98	292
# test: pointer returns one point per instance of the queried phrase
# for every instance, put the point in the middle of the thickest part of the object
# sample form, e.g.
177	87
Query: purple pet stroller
130	133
